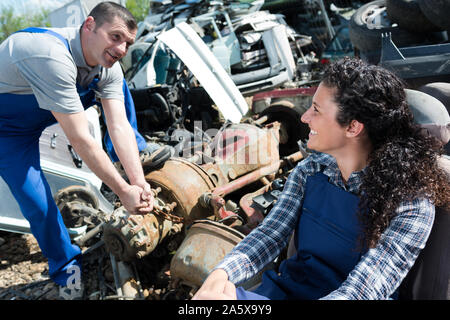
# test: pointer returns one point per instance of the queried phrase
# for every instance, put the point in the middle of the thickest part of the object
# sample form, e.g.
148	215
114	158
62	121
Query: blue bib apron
21	125
326	241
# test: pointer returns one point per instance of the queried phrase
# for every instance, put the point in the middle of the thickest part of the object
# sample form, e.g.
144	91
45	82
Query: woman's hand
216	287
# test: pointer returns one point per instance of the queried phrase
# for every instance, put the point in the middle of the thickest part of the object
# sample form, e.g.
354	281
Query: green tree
139	8
10	22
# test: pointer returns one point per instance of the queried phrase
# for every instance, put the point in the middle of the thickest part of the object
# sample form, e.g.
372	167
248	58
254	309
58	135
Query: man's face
326	134
107	44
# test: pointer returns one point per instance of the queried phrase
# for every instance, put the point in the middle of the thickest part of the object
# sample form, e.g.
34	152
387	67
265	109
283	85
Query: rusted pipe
246	179
261	120
93	232
292	158
217	203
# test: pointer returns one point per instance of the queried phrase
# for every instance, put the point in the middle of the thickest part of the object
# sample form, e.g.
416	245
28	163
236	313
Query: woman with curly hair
362	204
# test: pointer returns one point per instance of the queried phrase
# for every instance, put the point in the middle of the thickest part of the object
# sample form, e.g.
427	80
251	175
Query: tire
408	15
436	11
367	38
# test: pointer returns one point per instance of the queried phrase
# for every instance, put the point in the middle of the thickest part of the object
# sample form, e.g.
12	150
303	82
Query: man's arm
75	126
124	141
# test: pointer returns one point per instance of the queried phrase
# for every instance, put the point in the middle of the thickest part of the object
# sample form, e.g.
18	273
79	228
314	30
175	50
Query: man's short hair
107	11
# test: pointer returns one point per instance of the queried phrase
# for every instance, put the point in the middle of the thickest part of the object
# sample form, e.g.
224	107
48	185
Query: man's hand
135	198
124	141
131	199
147	195
216	287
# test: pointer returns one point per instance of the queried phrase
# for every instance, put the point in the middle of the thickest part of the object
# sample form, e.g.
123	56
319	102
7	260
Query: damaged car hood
194	53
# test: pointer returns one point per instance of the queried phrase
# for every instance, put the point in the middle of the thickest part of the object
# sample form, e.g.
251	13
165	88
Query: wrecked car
256	48
63	168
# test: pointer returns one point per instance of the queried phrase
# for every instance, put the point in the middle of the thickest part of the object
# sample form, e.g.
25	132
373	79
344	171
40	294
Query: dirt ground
24	273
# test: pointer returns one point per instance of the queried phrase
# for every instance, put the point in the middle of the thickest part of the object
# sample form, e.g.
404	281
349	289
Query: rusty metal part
266	165
217	203
182	182
260	120
77	193
242	148
76	203
221	191
178	185
89	235
128	281
247	179
291	159
164	212
253	215
124	279
129	237
205	245
185	192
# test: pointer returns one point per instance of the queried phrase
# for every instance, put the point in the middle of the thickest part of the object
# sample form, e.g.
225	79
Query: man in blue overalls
49	76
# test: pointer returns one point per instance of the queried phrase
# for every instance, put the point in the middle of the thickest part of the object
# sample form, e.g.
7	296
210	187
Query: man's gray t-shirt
40	64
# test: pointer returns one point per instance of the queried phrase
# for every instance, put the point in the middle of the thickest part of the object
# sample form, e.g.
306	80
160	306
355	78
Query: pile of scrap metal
257	50
217	186
207	203
188	73
228	165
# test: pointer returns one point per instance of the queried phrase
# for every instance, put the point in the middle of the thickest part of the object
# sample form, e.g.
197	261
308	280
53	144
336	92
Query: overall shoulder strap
53	33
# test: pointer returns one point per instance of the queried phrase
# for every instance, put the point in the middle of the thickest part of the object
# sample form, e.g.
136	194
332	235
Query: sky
21	6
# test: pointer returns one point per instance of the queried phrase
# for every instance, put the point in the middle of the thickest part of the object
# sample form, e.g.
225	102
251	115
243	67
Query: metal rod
116	275
80	242
93	247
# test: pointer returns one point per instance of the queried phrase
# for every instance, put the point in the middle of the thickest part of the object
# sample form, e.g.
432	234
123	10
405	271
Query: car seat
429	278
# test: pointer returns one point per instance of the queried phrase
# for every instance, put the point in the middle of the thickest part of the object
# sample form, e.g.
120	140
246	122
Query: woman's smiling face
326	134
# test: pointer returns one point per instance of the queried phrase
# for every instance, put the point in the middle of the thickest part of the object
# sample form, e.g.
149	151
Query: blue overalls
326	241
21	125
87	97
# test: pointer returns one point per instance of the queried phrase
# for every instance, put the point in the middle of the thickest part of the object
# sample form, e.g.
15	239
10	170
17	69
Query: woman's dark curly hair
403	162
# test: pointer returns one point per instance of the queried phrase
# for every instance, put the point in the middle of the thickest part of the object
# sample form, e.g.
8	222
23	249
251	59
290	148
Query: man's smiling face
107	44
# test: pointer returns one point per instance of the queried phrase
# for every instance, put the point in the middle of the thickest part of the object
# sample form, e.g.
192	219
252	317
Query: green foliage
139	8
10	22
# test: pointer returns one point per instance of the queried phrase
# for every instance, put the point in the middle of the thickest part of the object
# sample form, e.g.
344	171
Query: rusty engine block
196	197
